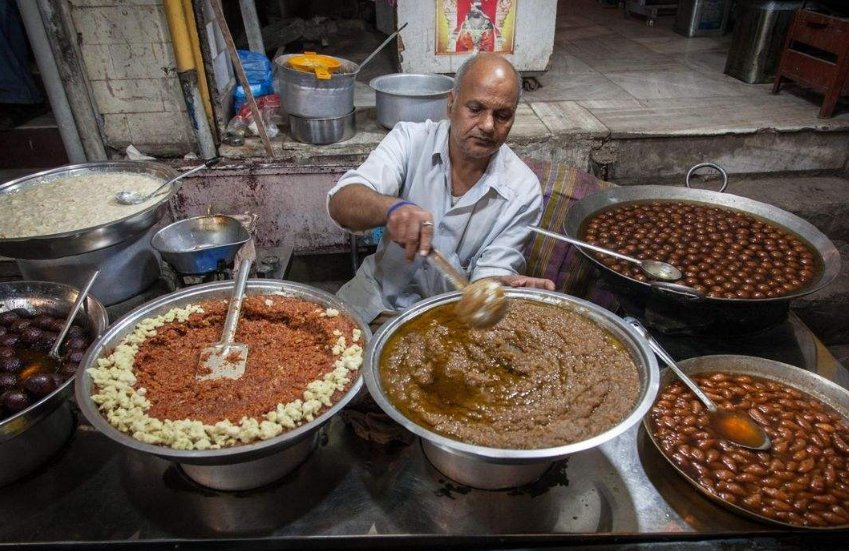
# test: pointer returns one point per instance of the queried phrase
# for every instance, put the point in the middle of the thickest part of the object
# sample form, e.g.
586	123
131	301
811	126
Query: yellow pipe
191	24
179	35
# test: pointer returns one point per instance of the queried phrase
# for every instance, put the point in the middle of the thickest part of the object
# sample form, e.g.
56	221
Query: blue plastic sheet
258	70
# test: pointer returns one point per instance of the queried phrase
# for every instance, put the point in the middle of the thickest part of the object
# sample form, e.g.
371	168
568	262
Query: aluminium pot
411	97
497	468
694	312
305	95
30	437
323	131
232	468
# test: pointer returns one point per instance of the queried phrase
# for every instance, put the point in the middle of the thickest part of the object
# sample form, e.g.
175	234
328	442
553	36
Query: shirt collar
495	166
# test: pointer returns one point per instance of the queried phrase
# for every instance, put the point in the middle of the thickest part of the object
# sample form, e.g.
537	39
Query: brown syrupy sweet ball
40	385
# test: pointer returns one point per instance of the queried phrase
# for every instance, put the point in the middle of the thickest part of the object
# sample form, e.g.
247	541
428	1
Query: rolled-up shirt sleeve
383	171
503	256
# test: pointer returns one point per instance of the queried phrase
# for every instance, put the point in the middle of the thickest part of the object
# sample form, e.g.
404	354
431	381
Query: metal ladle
382	45
655	269
735	426
135	197
54	350
483	303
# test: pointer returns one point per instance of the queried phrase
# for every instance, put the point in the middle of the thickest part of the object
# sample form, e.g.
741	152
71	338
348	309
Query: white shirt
483	234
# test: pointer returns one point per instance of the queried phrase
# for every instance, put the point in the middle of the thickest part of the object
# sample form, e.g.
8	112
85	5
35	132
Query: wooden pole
240	74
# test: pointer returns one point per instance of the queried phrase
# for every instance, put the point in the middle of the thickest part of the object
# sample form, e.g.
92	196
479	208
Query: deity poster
464	26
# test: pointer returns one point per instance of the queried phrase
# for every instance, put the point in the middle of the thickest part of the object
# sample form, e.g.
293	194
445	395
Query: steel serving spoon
483	303
81	296
135	197
735	426
653	268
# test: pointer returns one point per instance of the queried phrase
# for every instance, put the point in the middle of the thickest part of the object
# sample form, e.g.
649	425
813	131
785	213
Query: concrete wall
127	51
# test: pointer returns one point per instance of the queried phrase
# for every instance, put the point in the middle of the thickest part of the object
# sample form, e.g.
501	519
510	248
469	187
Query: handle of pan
711	165
678	291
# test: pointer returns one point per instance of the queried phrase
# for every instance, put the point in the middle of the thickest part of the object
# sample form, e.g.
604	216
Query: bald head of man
482	105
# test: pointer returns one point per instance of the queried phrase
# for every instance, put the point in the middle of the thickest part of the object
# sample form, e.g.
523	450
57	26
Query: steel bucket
201	244
413	98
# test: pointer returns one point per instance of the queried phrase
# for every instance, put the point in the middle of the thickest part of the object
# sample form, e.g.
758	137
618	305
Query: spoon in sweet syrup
736	427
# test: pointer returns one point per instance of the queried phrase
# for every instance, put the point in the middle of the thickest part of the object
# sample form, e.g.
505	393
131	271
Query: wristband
397	206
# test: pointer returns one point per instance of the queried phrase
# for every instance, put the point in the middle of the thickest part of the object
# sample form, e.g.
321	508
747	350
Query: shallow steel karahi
201	244
233	468
495	468
828	257
32	435
96	237
810	383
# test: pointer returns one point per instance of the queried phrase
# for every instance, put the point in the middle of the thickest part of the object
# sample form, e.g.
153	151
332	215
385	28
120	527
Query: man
452	185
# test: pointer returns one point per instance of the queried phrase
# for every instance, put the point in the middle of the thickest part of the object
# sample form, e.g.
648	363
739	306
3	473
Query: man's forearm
358	207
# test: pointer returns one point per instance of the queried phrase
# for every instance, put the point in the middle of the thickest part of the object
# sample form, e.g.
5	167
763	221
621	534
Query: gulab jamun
40	385
15	400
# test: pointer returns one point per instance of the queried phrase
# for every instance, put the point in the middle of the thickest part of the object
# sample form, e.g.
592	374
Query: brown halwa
544	376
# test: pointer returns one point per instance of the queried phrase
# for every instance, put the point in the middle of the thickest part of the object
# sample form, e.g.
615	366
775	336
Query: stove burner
673	318
222	272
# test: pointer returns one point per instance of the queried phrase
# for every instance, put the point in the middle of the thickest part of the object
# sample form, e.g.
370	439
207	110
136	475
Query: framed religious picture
464	26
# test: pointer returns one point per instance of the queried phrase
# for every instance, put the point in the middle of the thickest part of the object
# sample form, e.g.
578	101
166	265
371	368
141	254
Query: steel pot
701	312
495	468
411	97
30	437
233	468
323	131
97	237
305	95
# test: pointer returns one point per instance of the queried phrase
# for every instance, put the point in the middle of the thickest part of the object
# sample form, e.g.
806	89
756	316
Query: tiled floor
609	72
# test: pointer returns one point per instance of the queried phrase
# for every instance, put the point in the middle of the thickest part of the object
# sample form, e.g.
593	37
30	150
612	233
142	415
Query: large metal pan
810	383
233	468
708	314
495	468
96	237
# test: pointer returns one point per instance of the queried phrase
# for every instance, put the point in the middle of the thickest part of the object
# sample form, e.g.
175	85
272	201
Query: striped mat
572	273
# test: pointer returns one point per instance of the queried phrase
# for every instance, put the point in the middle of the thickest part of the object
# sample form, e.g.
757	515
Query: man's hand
525	281
412	228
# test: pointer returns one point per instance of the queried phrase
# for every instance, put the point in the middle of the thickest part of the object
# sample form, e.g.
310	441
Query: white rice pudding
71	204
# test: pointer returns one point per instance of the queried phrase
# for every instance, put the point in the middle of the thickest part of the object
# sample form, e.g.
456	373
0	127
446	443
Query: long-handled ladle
127	197
655	269
735	426
483	303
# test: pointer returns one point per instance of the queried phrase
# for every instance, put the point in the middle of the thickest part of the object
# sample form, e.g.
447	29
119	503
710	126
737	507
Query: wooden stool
816	55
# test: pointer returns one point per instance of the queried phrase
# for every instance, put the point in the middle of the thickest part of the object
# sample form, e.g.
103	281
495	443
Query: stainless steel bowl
323	131
411	97
96	237
494	468
237	467
31	436
810	383
197	245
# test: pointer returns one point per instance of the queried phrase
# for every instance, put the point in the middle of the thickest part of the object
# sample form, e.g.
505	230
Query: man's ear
450	101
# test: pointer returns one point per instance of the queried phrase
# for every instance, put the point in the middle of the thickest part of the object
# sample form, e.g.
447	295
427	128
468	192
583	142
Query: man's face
483	112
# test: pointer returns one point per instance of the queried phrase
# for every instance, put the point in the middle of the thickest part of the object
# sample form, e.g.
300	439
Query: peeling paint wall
130	62
290	203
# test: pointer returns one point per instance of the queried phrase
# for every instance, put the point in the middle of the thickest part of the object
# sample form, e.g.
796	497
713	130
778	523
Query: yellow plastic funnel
311	62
